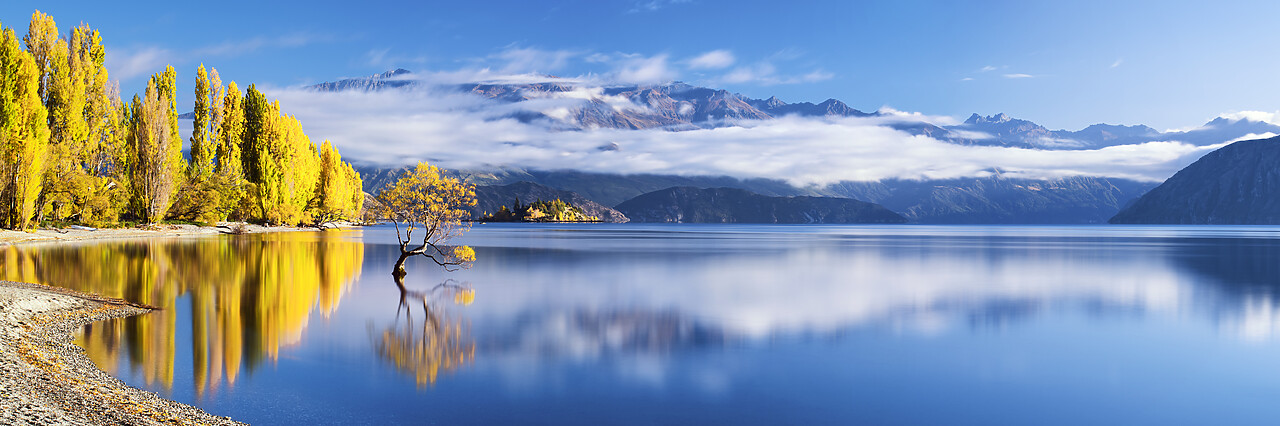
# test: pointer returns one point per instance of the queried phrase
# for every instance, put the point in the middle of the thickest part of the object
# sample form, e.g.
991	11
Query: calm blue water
722	324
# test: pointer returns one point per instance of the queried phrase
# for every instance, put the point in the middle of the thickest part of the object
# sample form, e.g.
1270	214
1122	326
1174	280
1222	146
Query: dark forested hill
730	205
1237	184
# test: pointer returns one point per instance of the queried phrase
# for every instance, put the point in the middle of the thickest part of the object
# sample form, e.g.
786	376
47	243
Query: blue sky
1061	64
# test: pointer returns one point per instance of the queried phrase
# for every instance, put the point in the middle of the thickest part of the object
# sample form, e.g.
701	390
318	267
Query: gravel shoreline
45	379
81	234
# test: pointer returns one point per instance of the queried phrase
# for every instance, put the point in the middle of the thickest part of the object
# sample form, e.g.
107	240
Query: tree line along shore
73	152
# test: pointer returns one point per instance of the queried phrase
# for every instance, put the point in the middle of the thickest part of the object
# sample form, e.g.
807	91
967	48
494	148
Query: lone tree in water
434	206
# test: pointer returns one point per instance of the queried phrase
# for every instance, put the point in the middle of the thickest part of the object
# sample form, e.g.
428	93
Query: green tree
424	200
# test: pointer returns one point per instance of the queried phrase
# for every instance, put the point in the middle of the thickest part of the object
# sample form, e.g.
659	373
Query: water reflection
764	282
438	342
248	295
687	324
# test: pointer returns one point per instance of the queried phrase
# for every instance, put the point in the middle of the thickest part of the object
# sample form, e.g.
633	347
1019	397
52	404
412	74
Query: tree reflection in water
439	341
249	296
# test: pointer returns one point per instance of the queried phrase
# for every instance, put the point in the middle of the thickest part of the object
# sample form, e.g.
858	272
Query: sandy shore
45	379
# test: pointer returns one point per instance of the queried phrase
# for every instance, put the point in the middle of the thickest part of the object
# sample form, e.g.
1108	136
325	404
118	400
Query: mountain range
680	106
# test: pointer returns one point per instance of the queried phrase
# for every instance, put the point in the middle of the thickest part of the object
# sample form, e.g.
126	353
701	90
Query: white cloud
125	64
715	59
967	79
889	115
1018	76
533	60
1258	116
816	76
653	5
240	47
458	130
1253	136
641	69
1117	62
987	68
384	58
766	74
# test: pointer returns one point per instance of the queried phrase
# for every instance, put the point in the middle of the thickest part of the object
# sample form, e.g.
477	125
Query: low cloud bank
466	131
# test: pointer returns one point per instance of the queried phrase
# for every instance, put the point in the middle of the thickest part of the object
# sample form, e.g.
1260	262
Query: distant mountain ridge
989	200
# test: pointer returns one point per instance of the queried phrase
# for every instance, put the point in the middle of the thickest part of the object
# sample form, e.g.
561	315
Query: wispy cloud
242	47
385	58
516	59
715	59
987	68
766	74
126	64
1117	62
644	69
1017	76
654	5
130	62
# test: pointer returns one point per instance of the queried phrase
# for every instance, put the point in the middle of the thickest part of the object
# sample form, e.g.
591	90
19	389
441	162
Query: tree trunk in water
398	271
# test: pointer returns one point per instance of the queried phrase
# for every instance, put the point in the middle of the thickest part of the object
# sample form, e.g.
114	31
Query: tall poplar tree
260	169
101	192
338	194
202	150
156	164
41	40
24	133
230	133
217	95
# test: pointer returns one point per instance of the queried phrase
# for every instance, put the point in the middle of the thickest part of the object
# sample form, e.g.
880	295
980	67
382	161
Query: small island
540	211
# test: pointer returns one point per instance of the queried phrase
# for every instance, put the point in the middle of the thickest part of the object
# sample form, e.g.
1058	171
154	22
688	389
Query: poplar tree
260	169
338	194
217	94
41	41
103	189
156	164
231	133
202	150
24	133
101	101
67	186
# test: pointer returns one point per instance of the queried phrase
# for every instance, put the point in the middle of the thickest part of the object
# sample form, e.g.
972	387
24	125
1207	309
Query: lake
698	324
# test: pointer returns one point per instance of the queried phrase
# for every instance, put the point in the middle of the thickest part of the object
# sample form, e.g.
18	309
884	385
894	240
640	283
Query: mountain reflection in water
249	295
